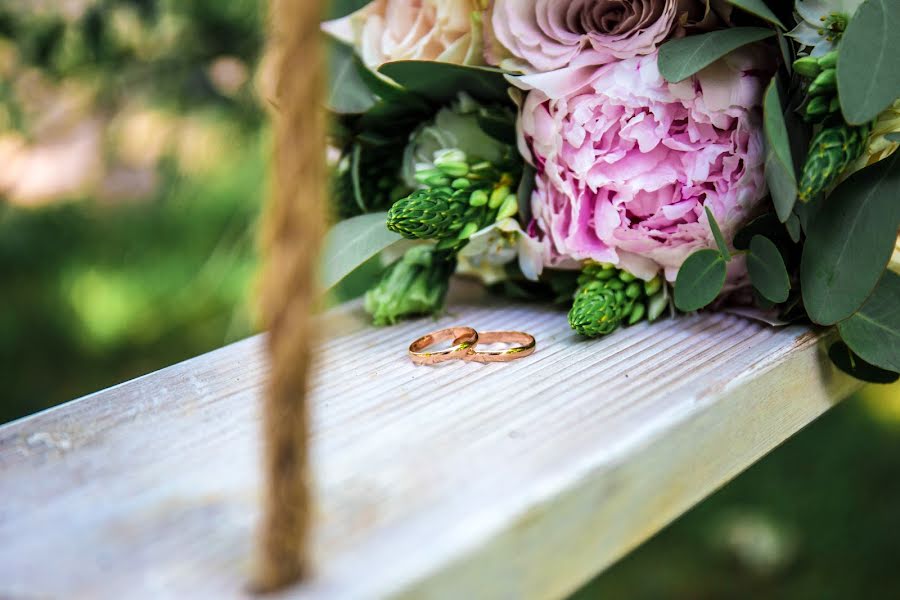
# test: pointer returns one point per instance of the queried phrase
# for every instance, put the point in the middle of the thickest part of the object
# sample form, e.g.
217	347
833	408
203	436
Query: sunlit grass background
133	151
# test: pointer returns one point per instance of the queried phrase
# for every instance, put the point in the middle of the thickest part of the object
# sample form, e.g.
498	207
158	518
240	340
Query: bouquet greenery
629	157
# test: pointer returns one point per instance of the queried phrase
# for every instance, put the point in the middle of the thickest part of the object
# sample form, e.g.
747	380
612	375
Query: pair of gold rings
465	341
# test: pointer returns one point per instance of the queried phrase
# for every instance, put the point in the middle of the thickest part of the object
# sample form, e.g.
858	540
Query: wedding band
527	347
464	338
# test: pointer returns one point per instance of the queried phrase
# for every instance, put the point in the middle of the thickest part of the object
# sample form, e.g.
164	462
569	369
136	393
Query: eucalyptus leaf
793	227
758	8
767	225
352	242
682	57
868	72
700	279
342	8
717	233
873	332
525	191
767	271
348	92
779	164
849	241
851	364
442	82
893	137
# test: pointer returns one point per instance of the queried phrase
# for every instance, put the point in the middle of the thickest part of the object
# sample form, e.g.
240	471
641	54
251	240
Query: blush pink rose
533	36
627	162
438	30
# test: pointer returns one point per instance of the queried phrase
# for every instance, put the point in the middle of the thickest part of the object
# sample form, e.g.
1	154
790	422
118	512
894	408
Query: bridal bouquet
630	158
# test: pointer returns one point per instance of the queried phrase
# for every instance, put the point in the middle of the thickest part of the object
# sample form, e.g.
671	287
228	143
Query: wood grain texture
513	480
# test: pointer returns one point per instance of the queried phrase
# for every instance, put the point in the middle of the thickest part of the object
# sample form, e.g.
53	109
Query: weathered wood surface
517	480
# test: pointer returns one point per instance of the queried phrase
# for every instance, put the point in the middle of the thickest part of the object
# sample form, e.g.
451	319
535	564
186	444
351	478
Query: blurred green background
132	171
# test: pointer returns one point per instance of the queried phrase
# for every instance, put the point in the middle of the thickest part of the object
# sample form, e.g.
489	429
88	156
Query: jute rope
293	232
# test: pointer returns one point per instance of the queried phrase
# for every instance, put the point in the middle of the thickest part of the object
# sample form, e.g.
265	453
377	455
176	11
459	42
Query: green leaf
441	82
868	72
526	189
680	58
700	279
849	241
342	8
767	225
853	365
893	137
793	227
758	8
352	242
767	271
779	164
717	233
347	90
873	332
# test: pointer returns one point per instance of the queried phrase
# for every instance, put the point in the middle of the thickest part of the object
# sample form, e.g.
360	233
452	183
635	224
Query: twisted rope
293	231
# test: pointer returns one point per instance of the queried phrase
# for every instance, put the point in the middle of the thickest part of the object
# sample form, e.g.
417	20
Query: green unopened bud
452	155
626	276
454	169
807	66
424	175
427	214
467	230
437	181
615	284
827	79
835	105
817	108
637	313
498	196
830	153
460	183
482	166
606	273
633	290
598	310
652	286
478	198
828	61
414	285
656	305
509	207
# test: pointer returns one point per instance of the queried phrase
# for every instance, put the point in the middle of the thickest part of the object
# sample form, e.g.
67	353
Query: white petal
806	35
812	11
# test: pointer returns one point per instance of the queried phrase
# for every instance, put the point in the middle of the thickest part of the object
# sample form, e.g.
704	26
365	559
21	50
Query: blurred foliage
98	286
95	294
816	519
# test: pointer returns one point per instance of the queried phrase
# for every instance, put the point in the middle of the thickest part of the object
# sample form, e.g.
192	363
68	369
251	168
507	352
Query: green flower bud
828	61
467	230
454	169
656	305
807	66
637	313
653	286
598	310
426	174
827	79
414	285
509	207
817	108
634	290
461	183
830	153
437	181
451	155
427	215
478	198
835	105
626	276
498	196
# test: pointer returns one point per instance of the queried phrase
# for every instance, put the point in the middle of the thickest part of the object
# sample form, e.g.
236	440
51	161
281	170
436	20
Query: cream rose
544	35
438	30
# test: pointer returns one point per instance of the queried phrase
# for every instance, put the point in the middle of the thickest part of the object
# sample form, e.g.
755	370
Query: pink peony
438	30
627	162
545	35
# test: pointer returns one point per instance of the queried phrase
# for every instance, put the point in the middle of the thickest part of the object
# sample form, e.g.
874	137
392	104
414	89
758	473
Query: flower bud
807	66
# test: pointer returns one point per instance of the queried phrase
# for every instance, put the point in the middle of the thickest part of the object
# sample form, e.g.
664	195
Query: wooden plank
516	480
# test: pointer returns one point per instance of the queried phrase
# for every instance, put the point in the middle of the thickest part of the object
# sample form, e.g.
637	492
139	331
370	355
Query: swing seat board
464	480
